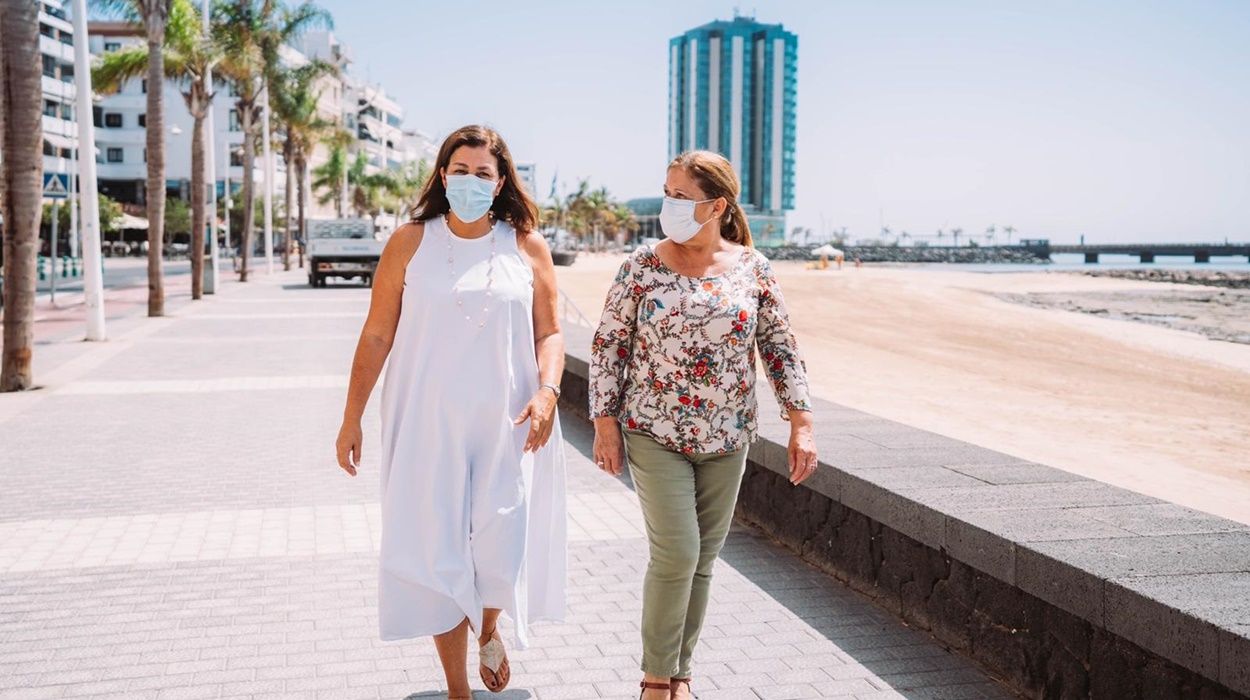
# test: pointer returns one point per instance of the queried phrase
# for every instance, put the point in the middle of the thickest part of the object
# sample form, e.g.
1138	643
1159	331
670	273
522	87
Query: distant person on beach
673	367
472	460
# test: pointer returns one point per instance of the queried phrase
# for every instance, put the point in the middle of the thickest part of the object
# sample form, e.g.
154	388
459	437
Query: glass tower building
731	89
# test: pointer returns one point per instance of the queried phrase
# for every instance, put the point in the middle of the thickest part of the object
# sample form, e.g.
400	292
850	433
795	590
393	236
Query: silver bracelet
552	387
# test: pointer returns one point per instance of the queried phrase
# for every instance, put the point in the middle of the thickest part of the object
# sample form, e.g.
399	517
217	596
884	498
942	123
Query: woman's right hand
609	448
347	446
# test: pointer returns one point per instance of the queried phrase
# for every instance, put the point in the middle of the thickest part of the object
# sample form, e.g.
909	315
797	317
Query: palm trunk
20	121
199	197
155	23
249	194
342	198
302	166
288	194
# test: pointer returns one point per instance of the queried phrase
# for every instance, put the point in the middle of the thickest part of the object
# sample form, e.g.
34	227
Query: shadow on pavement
912	664
517	694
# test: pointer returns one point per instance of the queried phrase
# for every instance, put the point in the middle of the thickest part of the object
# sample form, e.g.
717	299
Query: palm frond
117	67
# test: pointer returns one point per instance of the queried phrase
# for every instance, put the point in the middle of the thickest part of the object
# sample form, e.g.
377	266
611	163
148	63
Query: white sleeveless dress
468	520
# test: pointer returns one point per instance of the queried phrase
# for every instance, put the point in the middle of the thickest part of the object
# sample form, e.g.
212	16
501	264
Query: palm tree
252	32
330	177
622	220
905	236
940	235
955	234
407	183
368	191
22	124
188	58
990	233
1008	230
153	16
294	102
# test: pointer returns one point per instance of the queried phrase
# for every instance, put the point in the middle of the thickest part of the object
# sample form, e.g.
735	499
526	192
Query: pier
1145	252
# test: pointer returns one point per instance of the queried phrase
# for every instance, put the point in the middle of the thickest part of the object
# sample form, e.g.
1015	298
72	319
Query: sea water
1076	262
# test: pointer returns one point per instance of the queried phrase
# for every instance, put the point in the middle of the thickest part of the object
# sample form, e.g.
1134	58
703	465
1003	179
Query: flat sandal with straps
673	682
652	686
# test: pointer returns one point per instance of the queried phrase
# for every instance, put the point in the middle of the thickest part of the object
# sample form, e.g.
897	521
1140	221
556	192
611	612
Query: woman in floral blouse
672	388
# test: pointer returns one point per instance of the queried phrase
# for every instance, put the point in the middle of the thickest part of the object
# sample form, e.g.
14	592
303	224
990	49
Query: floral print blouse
674	356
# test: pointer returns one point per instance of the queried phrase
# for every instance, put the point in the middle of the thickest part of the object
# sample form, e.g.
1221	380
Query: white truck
347	248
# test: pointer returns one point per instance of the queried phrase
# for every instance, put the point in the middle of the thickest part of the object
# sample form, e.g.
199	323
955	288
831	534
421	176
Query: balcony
53	47
57	88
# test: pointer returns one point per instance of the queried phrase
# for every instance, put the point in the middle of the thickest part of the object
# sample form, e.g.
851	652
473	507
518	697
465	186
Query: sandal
652	686
492	659
674	682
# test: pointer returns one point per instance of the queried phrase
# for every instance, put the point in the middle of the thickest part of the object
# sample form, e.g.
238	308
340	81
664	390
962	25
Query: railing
569	312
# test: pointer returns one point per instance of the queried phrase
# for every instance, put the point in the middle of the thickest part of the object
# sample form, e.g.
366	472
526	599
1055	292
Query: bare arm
548	340
376	338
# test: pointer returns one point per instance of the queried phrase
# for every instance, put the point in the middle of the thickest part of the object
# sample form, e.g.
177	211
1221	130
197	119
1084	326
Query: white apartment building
121	132
56	46
378	123
417	146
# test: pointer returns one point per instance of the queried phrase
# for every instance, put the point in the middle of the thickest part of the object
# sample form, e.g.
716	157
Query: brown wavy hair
717	178
512	204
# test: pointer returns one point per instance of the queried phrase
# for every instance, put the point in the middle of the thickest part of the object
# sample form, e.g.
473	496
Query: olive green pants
688	504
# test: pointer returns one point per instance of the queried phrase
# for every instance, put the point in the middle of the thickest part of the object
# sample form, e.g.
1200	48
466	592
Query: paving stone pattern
173	525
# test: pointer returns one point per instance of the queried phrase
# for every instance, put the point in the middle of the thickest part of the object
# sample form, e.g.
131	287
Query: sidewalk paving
173	525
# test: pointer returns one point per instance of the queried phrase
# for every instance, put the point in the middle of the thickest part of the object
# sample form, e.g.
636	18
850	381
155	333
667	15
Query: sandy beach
1024	363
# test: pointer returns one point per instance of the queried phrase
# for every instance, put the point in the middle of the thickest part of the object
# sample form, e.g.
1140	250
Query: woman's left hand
540	410
802	451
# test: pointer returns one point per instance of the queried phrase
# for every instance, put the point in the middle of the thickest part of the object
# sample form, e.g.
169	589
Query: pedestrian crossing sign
55	185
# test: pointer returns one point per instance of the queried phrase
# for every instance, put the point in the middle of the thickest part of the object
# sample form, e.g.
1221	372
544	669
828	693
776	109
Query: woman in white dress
463	313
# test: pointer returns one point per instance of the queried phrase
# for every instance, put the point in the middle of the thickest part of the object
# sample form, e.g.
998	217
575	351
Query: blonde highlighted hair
716	176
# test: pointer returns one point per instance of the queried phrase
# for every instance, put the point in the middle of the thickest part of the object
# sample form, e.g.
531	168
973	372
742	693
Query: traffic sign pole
52	260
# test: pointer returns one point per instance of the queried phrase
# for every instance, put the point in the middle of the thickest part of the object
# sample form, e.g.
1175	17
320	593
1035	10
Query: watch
552	387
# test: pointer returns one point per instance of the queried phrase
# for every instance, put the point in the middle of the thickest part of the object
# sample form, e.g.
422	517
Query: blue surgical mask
470	196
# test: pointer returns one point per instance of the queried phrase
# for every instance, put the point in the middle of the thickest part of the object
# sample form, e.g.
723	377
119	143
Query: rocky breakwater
918	254
1209	278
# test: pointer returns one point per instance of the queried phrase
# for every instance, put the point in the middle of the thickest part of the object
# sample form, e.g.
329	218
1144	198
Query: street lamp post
268	160
211	279
93	273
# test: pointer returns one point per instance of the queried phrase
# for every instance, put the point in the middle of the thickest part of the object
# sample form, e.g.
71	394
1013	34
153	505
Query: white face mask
677	218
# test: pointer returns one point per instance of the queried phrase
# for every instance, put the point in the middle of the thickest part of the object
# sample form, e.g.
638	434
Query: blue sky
1117	119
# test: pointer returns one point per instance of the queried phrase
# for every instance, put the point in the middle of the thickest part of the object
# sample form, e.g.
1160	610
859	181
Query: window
236	158
47	31
48	150
113	120
115	155
233	120
112	46
67	111
145	155
67	72
143	85
97	116
66	37
234	89
49	108
49	66
143	120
